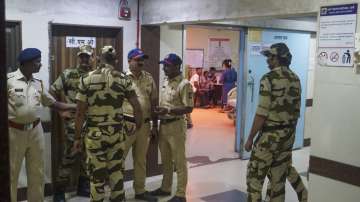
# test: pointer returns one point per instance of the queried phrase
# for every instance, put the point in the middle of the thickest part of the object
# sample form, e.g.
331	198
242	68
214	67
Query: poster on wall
337	35
194	58
219	49
76	41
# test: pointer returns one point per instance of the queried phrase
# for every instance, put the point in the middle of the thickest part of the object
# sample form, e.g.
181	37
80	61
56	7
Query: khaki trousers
139	142
28	144
172	147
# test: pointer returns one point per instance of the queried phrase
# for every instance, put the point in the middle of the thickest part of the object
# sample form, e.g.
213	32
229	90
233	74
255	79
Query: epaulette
10	75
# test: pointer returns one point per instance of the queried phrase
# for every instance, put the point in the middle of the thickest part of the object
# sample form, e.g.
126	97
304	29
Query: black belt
277	127
132	119
166	121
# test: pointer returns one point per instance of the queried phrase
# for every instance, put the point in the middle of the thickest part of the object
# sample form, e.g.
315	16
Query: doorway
212	138
63	54
13	44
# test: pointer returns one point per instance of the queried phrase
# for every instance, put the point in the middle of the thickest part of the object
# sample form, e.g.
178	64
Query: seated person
211	77
195	82
204	89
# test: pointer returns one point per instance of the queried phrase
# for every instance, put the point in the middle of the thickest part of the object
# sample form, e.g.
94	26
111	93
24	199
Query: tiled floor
215	172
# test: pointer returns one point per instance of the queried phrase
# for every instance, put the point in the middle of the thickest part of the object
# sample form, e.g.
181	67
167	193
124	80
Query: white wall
310	86
165	11
335	129
198	38
171	41
35	16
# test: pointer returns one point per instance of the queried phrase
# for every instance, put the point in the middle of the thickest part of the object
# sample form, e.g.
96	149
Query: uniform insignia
19	90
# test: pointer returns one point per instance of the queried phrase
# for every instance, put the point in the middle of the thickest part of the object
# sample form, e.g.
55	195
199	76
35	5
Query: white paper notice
337	26
219	49
76	41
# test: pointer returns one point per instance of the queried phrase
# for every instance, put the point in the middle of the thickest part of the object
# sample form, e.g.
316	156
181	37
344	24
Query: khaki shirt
280	96
176	92
104	90
26	98
68	83
146	92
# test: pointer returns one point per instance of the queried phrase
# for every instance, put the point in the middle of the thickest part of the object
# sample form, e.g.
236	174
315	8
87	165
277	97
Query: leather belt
132	119
166	121
26	126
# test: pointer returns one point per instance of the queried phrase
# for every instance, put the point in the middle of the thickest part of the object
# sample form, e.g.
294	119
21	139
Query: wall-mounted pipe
138	24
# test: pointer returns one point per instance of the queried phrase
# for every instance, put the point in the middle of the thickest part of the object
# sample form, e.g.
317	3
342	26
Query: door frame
4	138
241	79
54	143
17	25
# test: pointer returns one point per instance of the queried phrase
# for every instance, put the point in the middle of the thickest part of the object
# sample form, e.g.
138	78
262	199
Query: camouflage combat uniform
295	180
68	83
279	101
104	90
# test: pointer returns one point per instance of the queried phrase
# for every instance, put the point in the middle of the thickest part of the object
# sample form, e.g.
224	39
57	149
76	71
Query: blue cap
171	59
29	54
137	53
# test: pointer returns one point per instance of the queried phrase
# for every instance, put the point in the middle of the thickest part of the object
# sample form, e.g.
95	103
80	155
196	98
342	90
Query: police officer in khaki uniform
27	97
146	92
275	120
101	94
175	102
66	86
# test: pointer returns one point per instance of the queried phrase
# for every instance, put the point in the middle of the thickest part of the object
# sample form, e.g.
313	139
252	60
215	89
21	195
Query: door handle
251	84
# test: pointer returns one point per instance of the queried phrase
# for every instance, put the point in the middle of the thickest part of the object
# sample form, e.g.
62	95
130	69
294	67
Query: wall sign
337	35
219	49
341	57
76	41
256	48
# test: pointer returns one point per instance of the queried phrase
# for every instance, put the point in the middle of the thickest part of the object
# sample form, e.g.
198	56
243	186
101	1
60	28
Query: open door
298	43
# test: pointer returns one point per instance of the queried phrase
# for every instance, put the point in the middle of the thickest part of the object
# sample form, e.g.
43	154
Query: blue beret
29	54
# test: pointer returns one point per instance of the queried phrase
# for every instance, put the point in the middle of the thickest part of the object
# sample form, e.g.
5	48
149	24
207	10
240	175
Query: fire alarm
124	10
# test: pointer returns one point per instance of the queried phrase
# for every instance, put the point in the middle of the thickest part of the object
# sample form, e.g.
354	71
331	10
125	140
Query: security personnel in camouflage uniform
295	180
146	91
275	120
175	102
66	85
101	94
27	97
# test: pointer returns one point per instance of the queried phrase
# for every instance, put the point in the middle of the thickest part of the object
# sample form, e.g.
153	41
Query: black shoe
146	196
59	197
83	188
159	192
177	199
